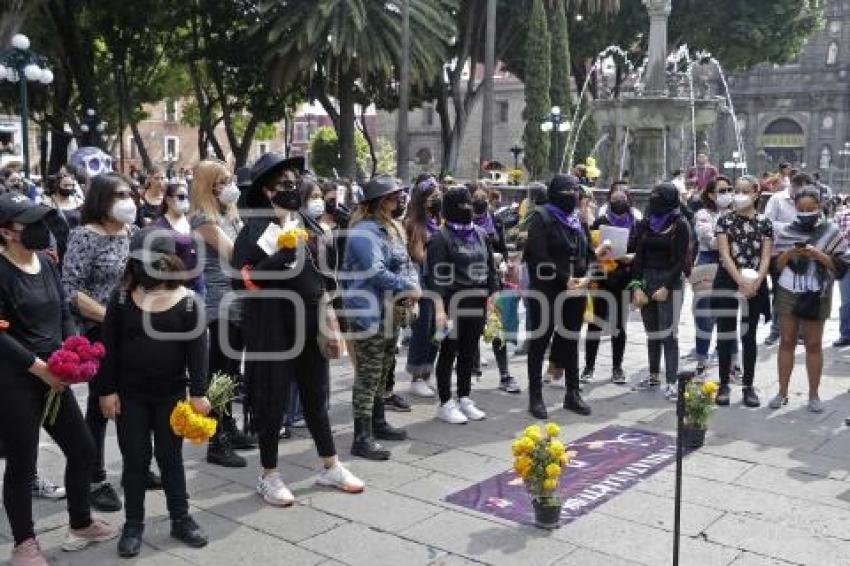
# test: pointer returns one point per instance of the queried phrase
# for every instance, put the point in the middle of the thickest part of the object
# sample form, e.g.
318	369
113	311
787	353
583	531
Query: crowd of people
184	277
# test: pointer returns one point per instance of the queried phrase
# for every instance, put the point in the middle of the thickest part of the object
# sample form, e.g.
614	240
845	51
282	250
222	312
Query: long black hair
100	196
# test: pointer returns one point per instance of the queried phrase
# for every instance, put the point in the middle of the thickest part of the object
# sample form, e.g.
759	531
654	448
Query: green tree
560	91
325	153
537	84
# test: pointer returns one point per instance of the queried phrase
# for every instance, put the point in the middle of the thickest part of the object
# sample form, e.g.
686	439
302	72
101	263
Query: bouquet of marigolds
291	238
539	459
493	331
221	392
699	403
192	426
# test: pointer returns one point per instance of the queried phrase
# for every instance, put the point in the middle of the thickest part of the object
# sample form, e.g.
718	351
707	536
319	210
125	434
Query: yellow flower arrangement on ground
290	239
192	426
539	459
699	403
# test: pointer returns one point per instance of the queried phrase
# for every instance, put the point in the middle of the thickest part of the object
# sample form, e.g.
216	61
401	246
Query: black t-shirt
34	305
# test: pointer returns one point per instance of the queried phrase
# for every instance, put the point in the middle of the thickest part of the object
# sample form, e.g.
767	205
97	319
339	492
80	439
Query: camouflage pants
374	359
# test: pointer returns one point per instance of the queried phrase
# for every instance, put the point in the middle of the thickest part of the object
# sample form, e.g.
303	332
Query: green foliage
560	91
537	83
386	156
325	153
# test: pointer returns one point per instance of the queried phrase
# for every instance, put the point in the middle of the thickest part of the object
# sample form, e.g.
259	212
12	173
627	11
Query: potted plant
699	404
539	459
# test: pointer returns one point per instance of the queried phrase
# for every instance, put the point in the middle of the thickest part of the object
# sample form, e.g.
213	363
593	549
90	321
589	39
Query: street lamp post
18	65
557	125
516	150
92	128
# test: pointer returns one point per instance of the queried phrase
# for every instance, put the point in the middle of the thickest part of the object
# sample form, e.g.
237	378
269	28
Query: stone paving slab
358	544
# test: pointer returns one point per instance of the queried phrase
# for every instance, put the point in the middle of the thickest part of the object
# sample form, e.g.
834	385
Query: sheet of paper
617	237
268	240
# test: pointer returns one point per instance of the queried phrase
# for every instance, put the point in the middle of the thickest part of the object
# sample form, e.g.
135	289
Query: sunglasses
723	191
181	197
285	186
122	194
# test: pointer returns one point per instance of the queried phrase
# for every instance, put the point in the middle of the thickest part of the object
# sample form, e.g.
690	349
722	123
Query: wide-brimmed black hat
151	244
273	162
379	187
15	207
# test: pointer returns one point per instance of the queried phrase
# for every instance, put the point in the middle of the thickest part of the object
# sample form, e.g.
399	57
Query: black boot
380	427
751	399
723	395
364	445
187	531
536	405
220	452
573	402
238	439
130	542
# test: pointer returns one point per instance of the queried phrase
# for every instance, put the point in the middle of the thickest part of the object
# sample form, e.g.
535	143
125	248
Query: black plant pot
694	437
546	516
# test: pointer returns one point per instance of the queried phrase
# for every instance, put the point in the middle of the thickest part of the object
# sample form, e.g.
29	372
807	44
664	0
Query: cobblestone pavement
770	487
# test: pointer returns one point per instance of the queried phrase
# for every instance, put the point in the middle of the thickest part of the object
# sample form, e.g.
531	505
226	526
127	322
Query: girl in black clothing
154	333
663	241
557	254
460	270
33	305
495	231
613	284
282	332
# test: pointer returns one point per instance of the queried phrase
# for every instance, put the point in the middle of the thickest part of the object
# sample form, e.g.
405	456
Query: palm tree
340	45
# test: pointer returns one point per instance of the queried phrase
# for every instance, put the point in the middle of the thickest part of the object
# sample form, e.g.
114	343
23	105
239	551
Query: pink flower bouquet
76	361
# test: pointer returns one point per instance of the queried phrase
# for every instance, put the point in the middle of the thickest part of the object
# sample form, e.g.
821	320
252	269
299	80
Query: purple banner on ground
602	465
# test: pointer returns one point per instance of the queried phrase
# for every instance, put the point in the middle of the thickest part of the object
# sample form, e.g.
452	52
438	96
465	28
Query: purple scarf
464	232
660	222
431	227
625	220
485	221
570	221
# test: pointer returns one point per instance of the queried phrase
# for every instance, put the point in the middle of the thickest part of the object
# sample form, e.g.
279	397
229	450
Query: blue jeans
844	311
422	351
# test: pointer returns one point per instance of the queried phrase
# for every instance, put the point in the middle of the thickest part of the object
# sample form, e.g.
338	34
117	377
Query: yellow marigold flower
534	433
550	485
517	449
290	238
556	448
553	471
553	430
564	459
709	388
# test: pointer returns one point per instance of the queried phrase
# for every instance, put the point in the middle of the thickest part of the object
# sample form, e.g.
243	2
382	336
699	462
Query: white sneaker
671	392
46	489
340	478
815	405
450	413
468	408
777	402
421	388
274	491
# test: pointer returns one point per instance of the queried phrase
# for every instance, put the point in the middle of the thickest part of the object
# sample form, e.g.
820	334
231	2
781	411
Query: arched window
832	53
826	157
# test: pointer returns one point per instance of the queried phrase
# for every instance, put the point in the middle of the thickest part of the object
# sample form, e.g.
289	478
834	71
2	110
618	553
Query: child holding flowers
155	334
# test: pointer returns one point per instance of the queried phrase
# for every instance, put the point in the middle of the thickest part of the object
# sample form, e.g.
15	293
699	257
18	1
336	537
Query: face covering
742	201
808	220
315	207
66	191
287	199
565	201
434	205
124	211
330	206
479	207
458	213
657	204
181	206
229	194
724	200
619	207
401	208
35	236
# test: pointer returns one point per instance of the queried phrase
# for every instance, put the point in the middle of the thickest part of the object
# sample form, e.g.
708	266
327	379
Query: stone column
656	66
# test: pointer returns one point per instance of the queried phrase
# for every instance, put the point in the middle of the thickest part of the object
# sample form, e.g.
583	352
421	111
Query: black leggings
727	326
20	417
461	343
614	322
310	370
564	352
219	361
95	420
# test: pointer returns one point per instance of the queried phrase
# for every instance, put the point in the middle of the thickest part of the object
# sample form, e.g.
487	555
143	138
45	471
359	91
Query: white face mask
181	206
742	201
229	194
124	211
724	200
315	207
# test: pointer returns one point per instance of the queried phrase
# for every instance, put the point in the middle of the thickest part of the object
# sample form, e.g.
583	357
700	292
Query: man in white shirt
781	211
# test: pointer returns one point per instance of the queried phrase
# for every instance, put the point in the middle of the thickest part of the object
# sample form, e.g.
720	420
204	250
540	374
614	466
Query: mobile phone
799	245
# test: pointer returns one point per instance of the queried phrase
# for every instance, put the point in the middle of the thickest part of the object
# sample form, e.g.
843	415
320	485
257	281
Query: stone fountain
653	128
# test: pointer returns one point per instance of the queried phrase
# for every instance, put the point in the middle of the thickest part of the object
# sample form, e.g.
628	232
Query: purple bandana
431	227
464	232
570	221
660	222
625	220
485	221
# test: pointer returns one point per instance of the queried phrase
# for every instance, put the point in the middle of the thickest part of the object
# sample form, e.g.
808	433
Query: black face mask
287	199
619	207
35	236
565	201
330	206
66	191
479	207
434	205
459	215
400	210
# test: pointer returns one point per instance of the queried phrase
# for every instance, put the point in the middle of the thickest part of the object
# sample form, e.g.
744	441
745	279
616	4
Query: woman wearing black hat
460	270
557	254
284	304
33	305
663	241
144	376
376	270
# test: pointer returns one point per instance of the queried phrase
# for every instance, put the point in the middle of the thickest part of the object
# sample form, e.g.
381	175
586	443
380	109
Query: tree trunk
140	145
402	135
346	132
243	149
486	153
373	156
